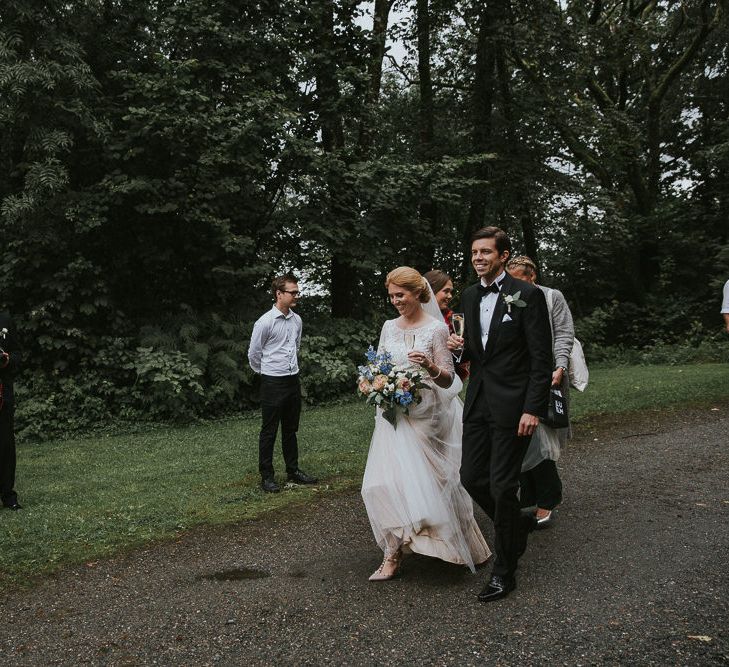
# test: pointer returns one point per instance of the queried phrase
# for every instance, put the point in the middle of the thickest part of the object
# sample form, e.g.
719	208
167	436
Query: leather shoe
300	477
497	588
13	505
268	484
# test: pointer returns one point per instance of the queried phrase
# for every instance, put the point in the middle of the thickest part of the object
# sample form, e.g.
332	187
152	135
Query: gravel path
634	572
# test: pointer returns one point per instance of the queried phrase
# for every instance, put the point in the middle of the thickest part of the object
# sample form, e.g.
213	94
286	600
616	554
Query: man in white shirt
725	305
272	354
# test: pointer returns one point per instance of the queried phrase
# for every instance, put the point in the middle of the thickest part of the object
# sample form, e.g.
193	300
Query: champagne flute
459	323
409	340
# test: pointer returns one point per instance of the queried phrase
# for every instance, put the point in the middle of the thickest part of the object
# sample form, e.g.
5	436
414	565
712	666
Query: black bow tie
485	291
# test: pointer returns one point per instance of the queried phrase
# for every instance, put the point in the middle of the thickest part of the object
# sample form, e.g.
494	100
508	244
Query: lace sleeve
441	354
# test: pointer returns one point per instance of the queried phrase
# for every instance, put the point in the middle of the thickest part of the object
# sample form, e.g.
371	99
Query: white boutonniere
513	300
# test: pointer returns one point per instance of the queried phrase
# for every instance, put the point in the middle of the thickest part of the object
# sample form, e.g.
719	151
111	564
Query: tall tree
625	58
481	117
428	208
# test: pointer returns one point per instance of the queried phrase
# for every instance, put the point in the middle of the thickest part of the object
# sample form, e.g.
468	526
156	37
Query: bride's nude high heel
389	569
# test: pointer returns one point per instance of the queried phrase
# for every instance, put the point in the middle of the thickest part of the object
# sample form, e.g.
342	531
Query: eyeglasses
293	292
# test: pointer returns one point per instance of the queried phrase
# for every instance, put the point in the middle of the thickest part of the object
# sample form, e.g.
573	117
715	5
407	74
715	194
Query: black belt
280	378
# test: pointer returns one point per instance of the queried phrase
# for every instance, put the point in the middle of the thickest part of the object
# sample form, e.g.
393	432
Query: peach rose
379	383
365	387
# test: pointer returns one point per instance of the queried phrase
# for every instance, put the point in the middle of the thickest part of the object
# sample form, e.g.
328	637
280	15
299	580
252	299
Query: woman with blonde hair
411	487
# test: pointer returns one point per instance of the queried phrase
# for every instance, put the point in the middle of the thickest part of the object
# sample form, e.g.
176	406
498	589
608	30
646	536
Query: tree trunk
374	69
522	190
342	275
427	209
482	109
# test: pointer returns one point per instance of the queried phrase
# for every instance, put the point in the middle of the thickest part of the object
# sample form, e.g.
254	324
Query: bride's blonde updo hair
410	279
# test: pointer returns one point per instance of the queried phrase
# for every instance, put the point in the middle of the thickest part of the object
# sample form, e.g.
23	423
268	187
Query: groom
508	342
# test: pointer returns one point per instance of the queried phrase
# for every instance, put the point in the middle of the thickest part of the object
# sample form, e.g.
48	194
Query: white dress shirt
275	343
725	301
488	305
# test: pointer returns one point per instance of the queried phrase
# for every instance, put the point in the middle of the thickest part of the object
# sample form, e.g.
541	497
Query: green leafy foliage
161	162
330	357
167	381
187	368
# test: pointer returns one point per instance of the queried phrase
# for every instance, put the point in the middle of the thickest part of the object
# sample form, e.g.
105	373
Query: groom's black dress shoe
497	588
13	505
300	477
268	484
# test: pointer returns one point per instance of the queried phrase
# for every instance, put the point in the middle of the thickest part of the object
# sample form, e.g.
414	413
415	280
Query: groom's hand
527	424
455	343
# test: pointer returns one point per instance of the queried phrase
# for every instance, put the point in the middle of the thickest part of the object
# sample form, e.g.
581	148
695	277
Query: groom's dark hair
502	240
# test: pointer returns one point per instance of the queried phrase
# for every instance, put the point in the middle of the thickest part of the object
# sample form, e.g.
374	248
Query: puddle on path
237	574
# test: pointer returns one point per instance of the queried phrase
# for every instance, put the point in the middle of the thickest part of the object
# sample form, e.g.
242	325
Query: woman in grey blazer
540	483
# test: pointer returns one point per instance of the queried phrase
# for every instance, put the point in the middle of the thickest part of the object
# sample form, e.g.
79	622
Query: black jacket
515	369
9	343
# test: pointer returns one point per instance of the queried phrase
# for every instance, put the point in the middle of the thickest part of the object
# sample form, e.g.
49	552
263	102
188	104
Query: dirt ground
633	572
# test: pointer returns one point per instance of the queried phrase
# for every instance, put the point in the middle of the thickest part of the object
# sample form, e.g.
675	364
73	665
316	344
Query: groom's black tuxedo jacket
11	345
515	368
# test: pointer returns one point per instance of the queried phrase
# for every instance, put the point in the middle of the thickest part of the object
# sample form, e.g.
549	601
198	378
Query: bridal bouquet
392	388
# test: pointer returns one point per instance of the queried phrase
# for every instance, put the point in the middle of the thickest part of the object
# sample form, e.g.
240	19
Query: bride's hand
417	357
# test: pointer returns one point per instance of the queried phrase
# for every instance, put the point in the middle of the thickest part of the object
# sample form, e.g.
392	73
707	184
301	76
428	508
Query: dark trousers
280	404
7	456
490	468
541	486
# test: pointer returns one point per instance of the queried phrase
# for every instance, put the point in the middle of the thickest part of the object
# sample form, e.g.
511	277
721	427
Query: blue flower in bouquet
371	354
384	363
405	399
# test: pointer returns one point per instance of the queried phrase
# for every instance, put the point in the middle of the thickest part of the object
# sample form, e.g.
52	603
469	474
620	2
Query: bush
708	350
58	406
190	367
329	359
168	383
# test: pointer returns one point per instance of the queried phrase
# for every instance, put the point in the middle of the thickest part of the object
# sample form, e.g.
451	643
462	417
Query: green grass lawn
86	498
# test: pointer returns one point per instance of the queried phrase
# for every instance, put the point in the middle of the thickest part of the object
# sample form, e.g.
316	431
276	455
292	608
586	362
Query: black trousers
7	455
490	468
541	486
280	404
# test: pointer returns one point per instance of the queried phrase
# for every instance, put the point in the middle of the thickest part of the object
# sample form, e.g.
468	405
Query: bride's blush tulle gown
411	486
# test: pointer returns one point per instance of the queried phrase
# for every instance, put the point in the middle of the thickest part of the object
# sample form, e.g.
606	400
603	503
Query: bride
411	486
